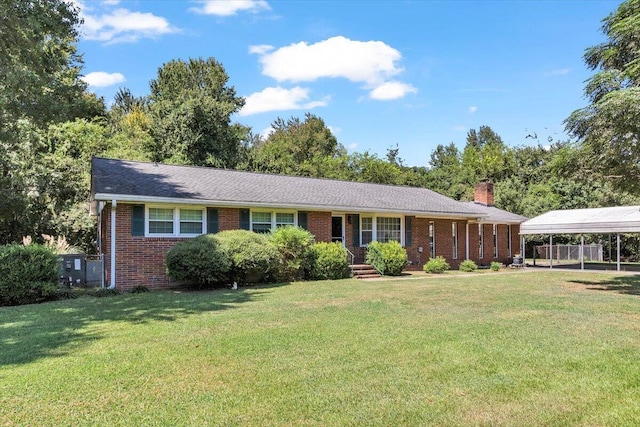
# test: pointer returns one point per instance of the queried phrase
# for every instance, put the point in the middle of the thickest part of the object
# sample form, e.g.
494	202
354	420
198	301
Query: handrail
353	259
374	249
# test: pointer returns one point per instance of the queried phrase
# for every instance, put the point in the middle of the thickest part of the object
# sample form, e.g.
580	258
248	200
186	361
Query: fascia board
225	203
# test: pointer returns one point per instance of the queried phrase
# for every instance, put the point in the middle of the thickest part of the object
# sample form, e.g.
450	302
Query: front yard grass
516	348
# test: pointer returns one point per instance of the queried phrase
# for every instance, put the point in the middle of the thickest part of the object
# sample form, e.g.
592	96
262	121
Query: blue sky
380	73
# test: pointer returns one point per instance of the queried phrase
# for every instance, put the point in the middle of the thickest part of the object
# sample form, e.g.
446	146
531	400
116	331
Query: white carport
614	220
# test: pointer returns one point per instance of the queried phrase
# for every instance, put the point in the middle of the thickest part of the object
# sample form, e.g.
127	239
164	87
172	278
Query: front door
337	229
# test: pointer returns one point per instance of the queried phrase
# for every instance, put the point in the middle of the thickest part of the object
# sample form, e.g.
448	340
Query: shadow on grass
629	285
32	332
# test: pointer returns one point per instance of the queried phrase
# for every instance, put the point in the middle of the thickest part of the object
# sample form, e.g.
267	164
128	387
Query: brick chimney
483	193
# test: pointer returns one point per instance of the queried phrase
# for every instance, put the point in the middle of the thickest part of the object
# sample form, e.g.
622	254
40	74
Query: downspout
112	281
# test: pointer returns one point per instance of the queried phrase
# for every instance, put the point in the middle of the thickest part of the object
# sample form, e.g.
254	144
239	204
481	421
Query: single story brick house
145	208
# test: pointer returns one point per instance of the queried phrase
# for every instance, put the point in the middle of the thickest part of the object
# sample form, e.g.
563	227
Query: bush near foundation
200	261
388	258
254	258
436	265
468	266
329	261
294	247
28	274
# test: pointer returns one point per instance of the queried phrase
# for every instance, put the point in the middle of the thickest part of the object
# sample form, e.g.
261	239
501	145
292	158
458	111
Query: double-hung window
165	222
432	240
454	237
495	240
264	222
480	242
381	229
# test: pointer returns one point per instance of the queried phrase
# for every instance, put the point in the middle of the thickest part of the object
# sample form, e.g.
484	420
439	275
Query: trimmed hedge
28	274
200	261
329	261
294	247
436	265
253	257
388	258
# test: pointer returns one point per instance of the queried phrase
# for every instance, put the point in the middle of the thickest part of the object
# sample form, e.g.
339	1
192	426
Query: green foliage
608	129
65	293
495	266
106	292
436	265
468	266
388	258
200	261
140	289
28	274
329	261
294	248
191	106
253	257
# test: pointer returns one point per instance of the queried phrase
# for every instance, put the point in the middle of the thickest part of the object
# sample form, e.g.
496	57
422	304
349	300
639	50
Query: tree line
51	126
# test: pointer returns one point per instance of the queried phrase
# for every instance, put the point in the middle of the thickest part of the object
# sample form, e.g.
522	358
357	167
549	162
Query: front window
509	239
190	221
367	230
454	236
175	221
284	219
432	240
160	221
261	222
495	241
387	229
480	242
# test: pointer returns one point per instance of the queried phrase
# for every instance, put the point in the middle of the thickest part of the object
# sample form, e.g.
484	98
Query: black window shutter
137	220
212	221
245	219
355	225
302	220
408	241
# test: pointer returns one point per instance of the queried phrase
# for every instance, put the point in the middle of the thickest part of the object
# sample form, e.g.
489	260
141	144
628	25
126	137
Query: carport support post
550	250
582	252
112	281
618	250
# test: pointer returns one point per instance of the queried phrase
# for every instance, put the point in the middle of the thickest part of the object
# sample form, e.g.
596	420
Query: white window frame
454	238
509	240
374	227
480	241
274	213
432	239
176	220
495	240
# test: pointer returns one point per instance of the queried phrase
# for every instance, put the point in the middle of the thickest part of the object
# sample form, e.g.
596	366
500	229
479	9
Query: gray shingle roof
499	216
146	182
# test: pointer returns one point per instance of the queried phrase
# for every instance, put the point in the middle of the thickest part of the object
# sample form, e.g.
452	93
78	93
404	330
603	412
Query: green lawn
515	349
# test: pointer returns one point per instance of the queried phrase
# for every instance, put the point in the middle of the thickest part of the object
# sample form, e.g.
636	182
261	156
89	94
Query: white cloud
110	2
371	62
260	49
121	25
102	79
277	99
353	146
265	133
473	109
230	7
391	90
558	72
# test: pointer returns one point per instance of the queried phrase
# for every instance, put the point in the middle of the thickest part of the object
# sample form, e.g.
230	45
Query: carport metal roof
621	219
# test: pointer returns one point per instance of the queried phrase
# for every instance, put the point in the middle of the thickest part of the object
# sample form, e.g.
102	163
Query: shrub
436	265
106	292
329	261
253	257
293	245
495	266
199	261
468	266
388	258
65	293
140	289
28	274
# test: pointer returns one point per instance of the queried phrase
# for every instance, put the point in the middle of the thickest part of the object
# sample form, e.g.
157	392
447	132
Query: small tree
293	244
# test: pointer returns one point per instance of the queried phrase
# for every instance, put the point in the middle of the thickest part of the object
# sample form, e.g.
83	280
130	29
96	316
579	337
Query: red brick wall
319	224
